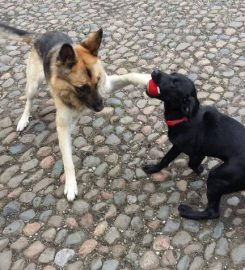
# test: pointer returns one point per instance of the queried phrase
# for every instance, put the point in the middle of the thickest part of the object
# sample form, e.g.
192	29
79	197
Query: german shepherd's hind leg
64	122
34	75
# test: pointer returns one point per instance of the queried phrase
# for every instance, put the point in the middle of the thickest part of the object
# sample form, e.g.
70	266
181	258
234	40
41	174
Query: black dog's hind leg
170	156
222	180
195	164
211	212
214	193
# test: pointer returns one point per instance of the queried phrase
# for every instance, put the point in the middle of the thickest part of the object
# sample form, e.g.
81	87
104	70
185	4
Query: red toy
152	89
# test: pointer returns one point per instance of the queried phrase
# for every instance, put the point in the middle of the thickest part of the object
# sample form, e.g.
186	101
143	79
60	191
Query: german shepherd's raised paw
200	131
76	79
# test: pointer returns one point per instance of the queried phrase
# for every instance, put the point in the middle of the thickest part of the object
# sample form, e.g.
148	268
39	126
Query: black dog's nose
156	73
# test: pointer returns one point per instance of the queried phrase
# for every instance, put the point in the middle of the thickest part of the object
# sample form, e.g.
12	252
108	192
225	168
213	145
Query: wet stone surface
122	218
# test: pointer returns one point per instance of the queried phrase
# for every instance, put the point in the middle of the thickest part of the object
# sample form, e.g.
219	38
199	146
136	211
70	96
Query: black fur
206	133
47	41
13	30
45	44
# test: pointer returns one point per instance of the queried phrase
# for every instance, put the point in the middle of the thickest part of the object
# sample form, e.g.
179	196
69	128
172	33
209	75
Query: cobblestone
63	256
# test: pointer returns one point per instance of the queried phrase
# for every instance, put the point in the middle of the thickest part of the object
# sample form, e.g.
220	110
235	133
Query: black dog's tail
11	33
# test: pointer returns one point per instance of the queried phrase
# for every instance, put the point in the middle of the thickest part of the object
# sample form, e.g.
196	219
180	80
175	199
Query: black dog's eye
89	73
175	80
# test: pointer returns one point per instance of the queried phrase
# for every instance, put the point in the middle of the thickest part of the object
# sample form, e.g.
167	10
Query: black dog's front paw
149	169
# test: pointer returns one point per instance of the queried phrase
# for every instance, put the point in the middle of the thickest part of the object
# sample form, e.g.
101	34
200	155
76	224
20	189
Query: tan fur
62	87
34	75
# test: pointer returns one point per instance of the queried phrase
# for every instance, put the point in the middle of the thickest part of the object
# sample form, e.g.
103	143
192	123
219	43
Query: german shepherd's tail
11	33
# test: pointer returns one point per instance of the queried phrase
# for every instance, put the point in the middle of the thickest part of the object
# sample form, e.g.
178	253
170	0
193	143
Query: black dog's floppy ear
190	106
66	56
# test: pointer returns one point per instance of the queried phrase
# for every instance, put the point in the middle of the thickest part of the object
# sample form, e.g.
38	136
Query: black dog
200	131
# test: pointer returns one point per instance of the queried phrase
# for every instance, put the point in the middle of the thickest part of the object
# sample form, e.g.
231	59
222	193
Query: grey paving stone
96	264
47	255
120	198
112	235
181	238
137	224
5	259
110	265
80	207
171	226
238	254
63	256
218	230
27	215
75	238
122	222
3	242
112	140
91	161
183	263
149	260
14	228
11	208
222	247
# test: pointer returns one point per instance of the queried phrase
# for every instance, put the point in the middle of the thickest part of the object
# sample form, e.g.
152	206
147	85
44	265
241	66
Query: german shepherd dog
76	79
199	131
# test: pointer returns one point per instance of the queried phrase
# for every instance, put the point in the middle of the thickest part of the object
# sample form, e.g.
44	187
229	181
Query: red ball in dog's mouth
152	89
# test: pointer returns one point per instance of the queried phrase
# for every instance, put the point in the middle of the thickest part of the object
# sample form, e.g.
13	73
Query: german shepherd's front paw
70	190
23	122
149	169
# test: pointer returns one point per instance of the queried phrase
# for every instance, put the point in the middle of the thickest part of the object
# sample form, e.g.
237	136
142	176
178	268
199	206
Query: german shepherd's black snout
90	97
98	105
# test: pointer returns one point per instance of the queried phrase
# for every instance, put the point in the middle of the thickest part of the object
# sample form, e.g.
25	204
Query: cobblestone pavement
122	219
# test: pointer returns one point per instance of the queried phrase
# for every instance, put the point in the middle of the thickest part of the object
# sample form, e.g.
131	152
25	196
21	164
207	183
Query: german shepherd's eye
89	73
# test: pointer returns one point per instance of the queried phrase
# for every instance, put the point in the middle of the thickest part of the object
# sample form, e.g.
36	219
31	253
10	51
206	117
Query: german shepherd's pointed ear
66	56
93	41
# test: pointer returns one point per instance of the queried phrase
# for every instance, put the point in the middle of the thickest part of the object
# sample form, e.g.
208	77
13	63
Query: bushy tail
11	33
